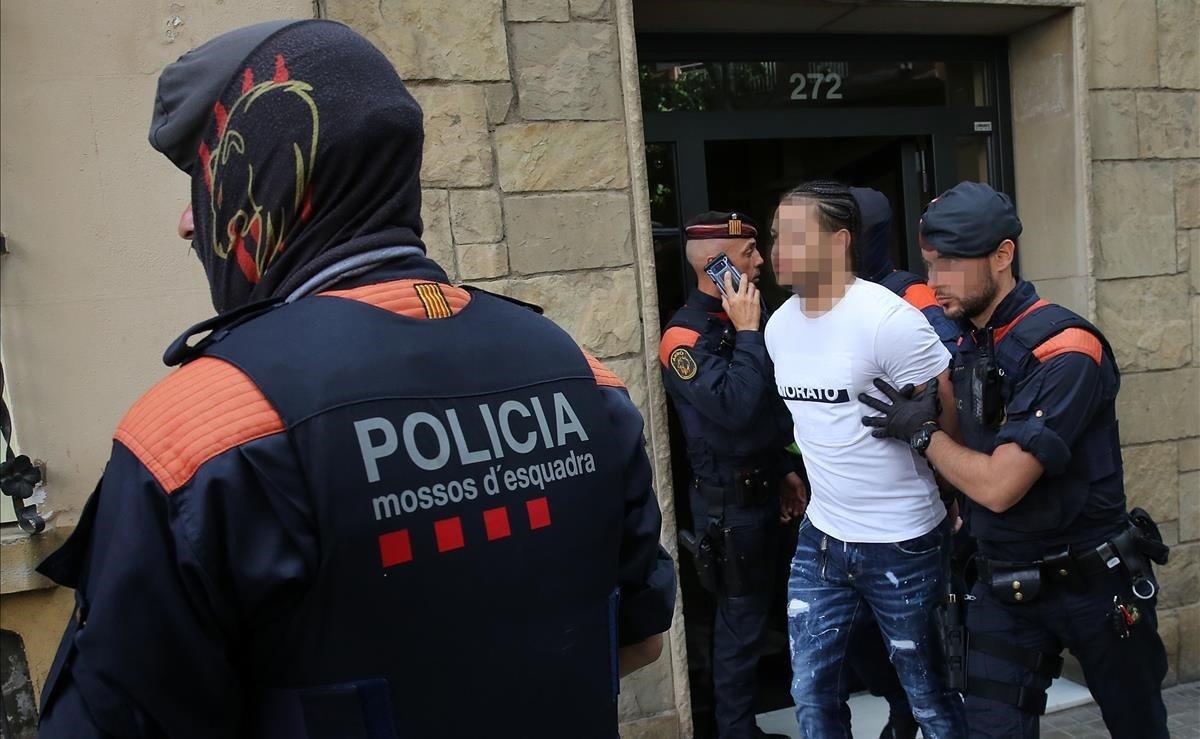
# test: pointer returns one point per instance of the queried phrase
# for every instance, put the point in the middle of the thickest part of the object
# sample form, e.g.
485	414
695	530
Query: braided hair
836	209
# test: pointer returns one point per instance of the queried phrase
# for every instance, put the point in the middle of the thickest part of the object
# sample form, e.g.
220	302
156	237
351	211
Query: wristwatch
920	440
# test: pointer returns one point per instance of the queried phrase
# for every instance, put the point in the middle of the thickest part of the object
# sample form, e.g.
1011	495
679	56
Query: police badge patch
683	364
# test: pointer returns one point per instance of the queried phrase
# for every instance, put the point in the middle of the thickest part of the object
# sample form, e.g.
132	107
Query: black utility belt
748	488
1023	582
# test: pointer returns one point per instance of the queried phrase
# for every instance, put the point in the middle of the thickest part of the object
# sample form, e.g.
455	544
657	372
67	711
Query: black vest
467	504
1084	504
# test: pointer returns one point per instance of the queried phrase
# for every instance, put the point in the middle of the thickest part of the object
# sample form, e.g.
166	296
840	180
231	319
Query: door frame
688	131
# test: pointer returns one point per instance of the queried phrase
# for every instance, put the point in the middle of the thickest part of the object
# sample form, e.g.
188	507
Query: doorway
731	122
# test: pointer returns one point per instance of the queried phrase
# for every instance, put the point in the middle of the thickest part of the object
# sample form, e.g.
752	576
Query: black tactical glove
906	414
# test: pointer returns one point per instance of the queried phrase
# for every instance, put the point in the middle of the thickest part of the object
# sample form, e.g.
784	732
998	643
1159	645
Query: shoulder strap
1040	326
899	281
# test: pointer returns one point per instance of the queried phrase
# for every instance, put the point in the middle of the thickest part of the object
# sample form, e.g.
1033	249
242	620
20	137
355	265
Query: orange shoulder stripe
672	339
410	298
201	410
604	376
920	296
1071	340
1002	331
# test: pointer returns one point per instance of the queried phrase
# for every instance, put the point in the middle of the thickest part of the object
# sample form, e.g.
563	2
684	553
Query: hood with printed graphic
304	149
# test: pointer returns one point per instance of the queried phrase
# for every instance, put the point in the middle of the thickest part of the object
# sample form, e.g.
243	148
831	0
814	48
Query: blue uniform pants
1124	675
832	584
740	623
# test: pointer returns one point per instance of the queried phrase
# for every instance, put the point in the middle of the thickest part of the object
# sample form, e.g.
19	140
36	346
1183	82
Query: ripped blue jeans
832	584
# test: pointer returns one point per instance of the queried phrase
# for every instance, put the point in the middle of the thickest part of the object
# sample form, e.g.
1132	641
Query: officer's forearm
996	481
636	656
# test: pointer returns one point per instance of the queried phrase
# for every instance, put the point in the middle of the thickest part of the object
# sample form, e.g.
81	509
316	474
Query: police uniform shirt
864	489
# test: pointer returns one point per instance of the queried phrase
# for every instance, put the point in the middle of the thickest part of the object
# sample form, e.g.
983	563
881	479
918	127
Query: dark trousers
740	623
1124	675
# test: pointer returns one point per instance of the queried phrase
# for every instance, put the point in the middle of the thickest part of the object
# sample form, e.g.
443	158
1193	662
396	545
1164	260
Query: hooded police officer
876	238
369	503
1061	562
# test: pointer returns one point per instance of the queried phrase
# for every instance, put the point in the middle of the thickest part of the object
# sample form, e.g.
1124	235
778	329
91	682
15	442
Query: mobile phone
718	267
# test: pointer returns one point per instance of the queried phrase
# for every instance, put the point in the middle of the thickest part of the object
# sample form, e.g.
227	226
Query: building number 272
801	81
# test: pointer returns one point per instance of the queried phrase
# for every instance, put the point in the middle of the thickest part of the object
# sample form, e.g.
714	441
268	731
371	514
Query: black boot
900	726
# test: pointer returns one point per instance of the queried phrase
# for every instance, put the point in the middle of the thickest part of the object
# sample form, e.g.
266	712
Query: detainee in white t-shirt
876	534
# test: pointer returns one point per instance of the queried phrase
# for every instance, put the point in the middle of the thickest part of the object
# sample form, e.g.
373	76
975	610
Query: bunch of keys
1124	617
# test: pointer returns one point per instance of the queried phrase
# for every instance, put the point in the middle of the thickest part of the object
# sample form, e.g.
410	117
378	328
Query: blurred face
803	248
187	227
965	288
743	254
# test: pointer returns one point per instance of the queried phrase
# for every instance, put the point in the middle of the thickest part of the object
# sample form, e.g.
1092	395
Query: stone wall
527	173
1144	81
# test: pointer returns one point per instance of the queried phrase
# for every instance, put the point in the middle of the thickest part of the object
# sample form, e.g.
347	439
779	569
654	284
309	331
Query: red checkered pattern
395	548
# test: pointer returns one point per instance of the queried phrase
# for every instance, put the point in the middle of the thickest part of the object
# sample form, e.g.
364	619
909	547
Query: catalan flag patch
433	300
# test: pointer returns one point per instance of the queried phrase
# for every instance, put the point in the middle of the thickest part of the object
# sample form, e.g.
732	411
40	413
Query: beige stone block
457	150
647	692
435	216
552	233
1168	631
1179	579
1156	406
1169	531
590	10
1189	643
1187	194
1189	455
1114	124
1069	292
599	308
1189	506
1123	43
432	39
1179	44
482	261
1152	480
1186	242
665	726
1135	219
556	11
1195	326
1168	124
1146	320
499	101
475	216
632	371
564	156
567	72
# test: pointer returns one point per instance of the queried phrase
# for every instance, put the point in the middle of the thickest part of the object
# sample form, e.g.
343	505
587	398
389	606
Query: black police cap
969	220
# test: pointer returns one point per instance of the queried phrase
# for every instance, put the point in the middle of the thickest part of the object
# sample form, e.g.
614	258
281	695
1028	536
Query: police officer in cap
716	371
1061	561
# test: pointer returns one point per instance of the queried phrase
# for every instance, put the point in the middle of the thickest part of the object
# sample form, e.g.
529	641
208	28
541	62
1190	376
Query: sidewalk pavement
1084	722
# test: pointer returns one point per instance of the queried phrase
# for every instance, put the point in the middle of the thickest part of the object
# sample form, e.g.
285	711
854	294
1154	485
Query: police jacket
395	509
1044	378
917	293
721	383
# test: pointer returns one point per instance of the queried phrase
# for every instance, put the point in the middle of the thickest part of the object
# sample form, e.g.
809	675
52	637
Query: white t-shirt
863	489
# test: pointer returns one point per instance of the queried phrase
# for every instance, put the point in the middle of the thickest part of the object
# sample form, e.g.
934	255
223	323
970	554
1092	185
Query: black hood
304	148
875	234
